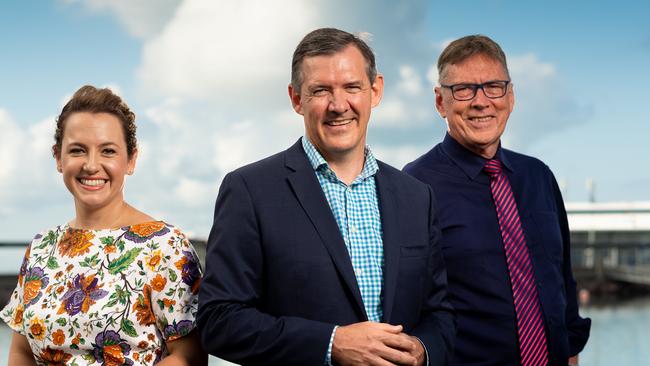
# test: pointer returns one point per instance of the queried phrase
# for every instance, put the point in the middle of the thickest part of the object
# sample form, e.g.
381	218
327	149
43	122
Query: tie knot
493	168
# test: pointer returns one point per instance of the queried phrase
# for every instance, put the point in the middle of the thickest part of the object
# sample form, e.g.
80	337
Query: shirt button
358	272
353	228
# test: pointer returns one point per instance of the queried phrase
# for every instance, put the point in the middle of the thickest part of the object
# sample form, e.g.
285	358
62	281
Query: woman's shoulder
47	236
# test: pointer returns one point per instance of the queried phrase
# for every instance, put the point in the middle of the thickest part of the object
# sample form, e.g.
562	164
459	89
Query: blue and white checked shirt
356	210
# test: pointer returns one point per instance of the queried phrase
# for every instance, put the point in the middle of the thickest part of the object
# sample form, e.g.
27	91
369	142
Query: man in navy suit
505	235
321	254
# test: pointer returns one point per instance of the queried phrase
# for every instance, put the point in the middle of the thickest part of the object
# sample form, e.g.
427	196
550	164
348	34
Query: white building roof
609	216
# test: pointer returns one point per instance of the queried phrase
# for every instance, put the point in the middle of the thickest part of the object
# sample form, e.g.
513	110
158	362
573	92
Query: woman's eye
109	151
76	151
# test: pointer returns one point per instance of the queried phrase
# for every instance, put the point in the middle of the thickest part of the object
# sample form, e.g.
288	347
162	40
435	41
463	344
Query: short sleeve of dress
28	290
175	286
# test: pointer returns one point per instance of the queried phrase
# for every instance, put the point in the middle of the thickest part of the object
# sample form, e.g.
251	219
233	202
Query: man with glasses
505	231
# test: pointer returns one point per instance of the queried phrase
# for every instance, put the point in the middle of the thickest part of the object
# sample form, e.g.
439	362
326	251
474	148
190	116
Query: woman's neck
107	217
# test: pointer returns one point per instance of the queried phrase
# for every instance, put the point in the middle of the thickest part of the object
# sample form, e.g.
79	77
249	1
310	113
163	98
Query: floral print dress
109	297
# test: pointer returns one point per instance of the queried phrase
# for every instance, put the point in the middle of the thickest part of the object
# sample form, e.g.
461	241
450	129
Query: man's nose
480	100
338	102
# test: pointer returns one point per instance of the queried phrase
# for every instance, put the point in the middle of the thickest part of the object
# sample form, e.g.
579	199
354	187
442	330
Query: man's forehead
343	66
476	66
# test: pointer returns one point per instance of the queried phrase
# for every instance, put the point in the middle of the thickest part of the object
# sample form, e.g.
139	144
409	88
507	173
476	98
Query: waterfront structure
610	242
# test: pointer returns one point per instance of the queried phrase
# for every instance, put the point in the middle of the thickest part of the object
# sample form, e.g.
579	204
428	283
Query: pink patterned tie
530	325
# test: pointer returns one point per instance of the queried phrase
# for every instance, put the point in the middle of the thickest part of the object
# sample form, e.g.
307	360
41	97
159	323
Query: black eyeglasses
492	89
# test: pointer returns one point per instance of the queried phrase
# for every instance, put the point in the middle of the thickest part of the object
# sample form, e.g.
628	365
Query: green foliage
123	262
128	328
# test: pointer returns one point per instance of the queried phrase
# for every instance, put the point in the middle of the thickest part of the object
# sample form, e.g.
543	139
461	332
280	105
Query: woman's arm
20	353
185	351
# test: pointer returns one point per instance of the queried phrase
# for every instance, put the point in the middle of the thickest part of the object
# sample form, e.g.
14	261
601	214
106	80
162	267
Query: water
620	335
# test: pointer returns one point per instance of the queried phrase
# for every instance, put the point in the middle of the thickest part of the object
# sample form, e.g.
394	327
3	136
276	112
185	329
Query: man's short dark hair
328	41
468	46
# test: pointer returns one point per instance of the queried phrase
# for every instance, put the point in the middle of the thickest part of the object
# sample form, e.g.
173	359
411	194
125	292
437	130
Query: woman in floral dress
112	286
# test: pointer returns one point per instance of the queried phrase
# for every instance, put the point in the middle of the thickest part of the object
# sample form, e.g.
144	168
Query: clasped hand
371	343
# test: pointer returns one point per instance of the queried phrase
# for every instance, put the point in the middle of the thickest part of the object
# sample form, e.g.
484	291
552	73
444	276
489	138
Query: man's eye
76	151
353	89
462	88
319	92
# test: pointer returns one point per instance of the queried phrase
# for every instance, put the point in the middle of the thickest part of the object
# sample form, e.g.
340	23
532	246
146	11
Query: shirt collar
470	163
370	166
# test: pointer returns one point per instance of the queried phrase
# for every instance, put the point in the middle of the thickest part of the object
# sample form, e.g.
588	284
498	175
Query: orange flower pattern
111	297
37	328
142	307
158	283
53	357
75	242
58	337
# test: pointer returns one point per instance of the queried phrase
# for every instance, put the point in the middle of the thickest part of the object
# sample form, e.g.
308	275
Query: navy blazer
479	284
278	276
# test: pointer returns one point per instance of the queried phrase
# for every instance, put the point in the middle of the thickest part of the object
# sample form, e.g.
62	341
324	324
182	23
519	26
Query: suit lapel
389	209
309	193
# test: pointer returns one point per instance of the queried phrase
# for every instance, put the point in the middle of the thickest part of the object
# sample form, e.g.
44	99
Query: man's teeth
481	119
93	182
341	122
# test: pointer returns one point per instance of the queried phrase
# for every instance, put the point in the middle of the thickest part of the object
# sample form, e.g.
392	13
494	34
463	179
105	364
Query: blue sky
207	80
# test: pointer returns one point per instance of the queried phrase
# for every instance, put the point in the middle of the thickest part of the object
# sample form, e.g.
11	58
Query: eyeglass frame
476	87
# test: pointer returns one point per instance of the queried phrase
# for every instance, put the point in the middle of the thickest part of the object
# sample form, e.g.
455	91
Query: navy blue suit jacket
479	284
278	276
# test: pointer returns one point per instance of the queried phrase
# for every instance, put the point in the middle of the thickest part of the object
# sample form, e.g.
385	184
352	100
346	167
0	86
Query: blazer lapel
309	193
389	210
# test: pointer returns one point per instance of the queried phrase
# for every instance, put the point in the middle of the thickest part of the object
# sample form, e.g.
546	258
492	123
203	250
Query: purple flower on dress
140	233
23	266
81	294
190	271
110	349
178	330
35	281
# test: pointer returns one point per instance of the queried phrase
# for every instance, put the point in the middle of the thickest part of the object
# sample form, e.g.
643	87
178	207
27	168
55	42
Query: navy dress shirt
479	284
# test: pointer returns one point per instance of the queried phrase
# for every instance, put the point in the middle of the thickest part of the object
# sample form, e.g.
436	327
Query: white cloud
410	81
528	69
27	168
10	139
141	18
397	155
225	51
395	111
236	146
543	104
432	75
193	192
391	111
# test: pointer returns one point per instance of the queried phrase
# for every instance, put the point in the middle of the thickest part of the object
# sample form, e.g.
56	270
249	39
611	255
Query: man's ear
294	95
377	90
439	104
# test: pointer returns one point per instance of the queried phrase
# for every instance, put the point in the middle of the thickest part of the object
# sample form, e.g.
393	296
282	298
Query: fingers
399	341
374	344
395	329
395	356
